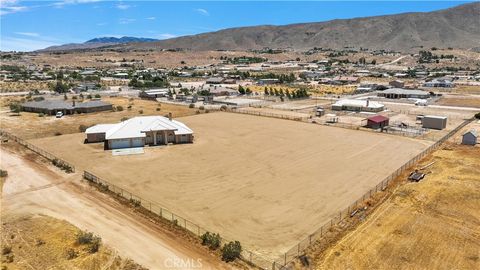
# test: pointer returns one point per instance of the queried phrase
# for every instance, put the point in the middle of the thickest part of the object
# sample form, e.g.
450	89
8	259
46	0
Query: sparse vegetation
211	240
231	251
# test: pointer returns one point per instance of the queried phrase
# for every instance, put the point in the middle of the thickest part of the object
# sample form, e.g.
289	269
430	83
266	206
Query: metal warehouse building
434	122
140	131
51	107
357	105
403	93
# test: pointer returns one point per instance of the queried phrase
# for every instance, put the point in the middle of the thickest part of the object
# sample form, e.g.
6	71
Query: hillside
457	27
98	43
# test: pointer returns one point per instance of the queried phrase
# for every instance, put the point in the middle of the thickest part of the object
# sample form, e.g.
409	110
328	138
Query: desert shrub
6	250
3	173
40	242
477	115
211	240
41	115
124	119
223	107
231	251
89	96
140	111
9	258
197	112
71	254
119	108
84	238
82	128
97	96
191	106
135	203
56	162
95	244
129	107
157	109
201	108
207	111
57	133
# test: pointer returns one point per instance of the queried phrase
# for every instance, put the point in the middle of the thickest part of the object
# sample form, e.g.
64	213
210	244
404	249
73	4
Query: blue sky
31	25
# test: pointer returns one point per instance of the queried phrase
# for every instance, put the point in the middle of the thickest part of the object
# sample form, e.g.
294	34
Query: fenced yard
249	178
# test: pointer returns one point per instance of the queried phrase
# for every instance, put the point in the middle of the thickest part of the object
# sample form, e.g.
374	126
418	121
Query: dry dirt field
433	224
461	101
30	125
265	182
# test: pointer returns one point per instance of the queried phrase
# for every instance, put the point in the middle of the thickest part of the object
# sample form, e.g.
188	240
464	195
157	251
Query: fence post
285	259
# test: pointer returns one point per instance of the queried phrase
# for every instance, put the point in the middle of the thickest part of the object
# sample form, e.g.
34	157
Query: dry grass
20	86
467	101
432	224
30	125
41	242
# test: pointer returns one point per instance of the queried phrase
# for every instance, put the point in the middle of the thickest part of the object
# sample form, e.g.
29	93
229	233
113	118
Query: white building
140	131
357	105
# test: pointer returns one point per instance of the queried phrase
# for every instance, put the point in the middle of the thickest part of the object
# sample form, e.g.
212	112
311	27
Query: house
140	131
434	122
470	137
439	83
51	107
397	84
377	121
403	93
153	93
346	79
268	81
221	91
357	105
215	80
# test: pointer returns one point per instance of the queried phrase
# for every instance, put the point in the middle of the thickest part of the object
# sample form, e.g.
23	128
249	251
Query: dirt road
31	188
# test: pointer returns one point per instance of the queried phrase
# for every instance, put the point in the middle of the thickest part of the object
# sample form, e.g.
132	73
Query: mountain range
457	27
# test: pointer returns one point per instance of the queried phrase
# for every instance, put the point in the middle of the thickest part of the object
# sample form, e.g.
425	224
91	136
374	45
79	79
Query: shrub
6	250
119	108
157	109
231	251
82	128
3	173
129	107
95	245
201	108
89	96
211	240
223	107
197	112
58	133
477	115
97	96
124	119
71	254
207	111
135	203
191	106
140	111
84	238
41	115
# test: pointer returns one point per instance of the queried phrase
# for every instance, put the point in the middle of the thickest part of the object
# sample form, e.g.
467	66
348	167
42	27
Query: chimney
170	116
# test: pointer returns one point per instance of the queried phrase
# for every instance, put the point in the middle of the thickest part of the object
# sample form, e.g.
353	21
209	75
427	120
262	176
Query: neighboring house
470	137
153	93
357	105
51	107
268	81
215	80
345	80
377	121
439	83
222	91
140	131
403	93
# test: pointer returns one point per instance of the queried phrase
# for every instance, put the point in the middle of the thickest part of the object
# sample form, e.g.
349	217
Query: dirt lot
34	187
265	182
462	101
433	224
42	242
30	125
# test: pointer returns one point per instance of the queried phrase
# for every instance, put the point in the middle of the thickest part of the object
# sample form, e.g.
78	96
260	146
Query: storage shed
470	137
434	122
377	121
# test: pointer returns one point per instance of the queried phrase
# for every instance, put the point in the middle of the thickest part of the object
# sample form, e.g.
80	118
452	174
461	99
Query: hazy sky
31	25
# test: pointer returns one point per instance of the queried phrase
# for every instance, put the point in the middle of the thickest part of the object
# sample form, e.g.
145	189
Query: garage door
137	142
122	143
184	138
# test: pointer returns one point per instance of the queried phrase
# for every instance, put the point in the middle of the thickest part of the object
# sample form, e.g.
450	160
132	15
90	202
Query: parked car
59	115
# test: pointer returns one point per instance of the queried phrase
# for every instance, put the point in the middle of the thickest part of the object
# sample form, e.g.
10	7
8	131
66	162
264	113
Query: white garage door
137	142
122	143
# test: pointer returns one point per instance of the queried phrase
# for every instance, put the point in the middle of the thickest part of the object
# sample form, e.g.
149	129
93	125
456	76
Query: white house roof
100	128
137	126
358	103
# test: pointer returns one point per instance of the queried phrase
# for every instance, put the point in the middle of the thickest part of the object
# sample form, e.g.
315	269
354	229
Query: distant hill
457	27
97	43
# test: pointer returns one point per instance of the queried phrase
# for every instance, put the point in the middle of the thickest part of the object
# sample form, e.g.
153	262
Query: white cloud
202	11
166	36
126	21
73	2
123	6
28	34
150	18
101	24
10	7
24	44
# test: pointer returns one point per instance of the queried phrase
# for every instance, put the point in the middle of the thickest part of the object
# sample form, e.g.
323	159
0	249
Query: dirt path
32	188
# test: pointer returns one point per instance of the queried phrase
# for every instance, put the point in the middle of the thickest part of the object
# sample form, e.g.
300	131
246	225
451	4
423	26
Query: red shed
377	121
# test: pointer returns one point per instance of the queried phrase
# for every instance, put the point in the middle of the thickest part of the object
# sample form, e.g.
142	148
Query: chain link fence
56	160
